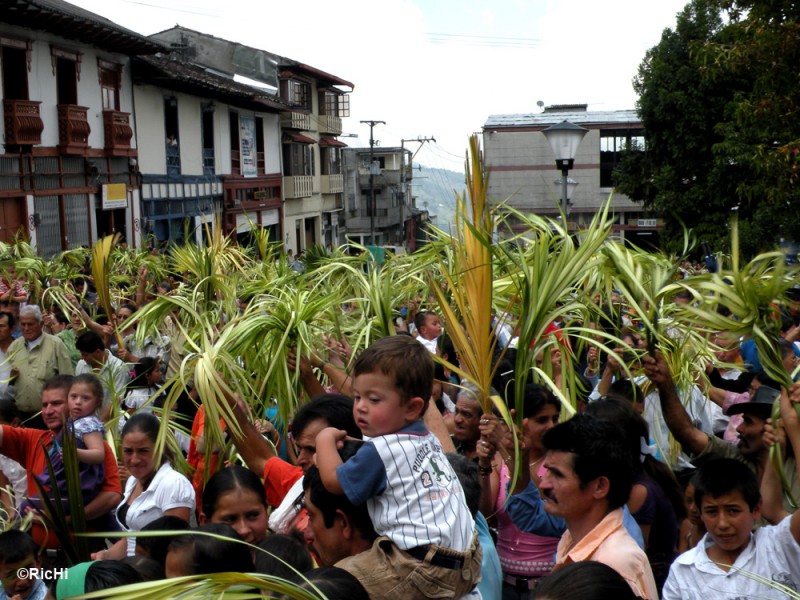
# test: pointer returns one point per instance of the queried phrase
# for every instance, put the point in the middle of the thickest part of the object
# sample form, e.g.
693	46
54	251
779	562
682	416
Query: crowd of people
394	479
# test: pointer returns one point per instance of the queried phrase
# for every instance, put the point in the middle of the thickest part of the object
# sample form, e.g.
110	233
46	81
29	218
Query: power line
483	40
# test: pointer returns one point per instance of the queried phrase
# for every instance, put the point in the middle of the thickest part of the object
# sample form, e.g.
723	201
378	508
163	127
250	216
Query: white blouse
169	489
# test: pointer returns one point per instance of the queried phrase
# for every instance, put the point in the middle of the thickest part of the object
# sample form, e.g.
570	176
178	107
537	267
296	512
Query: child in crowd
18	553
145	377
85	398
413	496
733	561
429	328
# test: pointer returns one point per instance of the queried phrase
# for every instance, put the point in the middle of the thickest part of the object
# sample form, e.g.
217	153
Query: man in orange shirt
283	481
28	446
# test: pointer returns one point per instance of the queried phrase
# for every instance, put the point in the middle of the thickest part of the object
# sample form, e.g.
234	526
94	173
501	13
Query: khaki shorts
385	571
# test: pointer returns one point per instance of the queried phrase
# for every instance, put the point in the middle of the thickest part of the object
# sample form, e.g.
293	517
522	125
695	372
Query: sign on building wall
247	137
115	195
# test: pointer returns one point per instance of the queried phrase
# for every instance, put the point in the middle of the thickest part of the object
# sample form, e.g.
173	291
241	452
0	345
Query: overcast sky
435	68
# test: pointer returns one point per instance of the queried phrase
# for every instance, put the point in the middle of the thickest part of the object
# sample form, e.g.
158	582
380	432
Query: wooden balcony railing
23	125
330	124
301	186
118	132
73	129
332	184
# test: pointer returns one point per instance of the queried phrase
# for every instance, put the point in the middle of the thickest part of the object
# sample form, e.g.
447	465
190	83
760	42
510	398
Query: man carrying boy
427	545
732	561
19	562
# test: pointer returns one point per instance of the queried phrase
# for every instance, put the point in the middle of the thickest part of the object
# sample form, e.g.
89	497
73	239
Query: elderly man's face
31	328
466	420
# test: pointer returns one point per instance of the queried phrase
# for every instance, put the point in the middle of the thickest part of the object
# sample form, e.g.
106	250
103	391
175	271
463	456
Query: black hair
626	389
148	569
329	503
212	554
536	398
620	411
228	480
335	584
148	424
89	341
11	319
421	317
599	450
584	580
467	472
8	410
723	476
61	317
156	546
140	370
281	549
104	574
334	409
16	546
128	306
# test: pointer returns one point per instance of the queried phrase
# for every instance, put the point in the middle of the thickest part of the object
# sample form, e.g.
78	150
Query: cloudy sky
435	68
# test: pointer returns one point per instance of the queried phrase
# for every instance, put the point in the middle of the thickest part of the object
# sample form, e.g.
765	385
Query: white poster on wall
247	143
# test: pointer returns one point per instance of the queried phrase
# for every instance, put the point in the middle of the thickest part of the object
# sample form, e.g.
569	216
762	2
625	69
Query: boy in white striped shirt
427	546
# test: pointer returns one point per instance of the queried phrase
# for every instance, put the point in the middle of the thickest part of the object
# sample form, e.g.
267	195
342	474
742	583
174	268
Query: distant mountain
437	187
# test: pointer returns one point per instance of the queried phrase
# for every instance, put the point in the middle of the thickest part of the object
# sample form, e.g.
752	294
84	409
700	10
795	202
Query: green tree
716	98
761	129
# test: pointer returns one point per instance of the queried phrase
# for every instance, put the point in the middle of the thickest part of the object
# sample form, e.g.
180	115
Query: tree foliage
718	97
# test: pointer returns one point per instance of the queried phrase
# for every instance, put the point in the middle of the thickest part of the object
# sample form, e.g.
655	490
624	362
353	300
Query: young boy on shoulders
413	496
732	560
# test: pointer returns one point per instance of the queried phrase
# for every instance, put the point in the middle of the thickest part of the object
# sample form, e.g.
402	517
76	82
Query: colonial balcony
331	184
384	179
23	124
118	132
73	129
296	120
330	124
301	186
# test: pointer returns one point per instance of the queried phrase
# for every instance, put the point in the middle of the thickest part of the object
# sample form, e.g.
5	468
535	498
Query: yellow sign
115	195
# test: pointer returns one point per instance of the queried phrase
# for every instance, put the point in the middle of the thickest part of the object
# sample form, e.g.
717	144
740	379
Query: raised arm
251	445
677	419
328	459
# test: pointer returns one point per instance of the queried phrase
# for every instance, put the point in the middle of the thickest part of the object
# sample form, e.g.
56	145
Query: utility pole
421	141
372	179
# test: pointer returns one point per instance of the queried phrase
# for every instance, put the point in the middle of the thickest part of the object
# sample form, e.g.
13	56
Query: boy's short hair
421	318
89	341
16	546
724	476
403	358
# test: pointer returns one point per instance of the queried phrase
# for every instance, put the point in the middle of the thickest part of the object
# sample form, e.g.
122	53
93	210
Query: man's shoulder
23	437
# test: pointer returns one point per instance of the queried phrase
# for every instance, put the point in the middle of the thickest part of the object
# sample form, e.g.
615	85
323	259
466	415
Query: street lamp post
564	138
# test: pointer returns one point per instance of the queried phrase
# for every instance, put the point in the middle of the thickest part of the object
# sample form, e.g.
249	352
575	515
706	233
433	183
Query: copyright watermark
47	574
